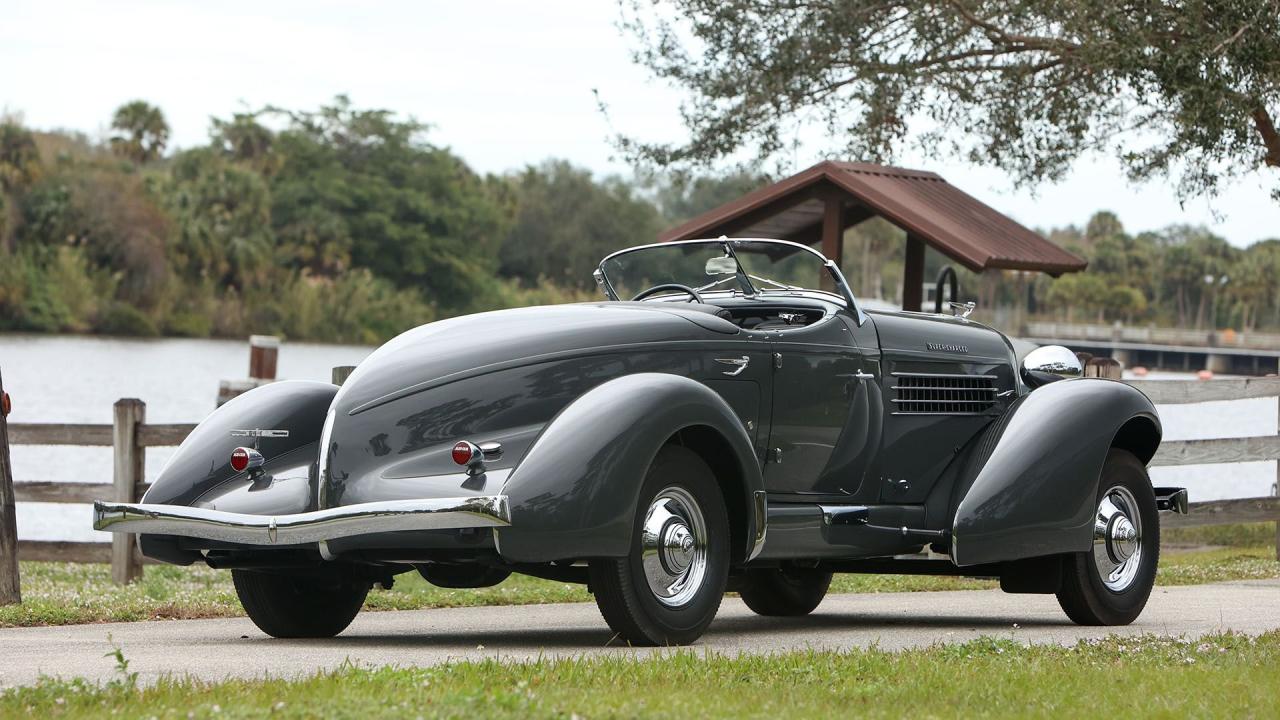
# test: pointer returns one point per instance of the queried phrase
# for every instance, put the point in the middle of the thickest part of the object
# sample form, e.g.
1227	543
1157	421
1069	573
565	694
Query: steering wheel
670	286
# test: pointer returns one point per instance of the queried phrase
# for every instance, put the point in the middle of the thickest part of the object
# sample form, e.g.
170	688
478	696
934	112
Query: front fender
1034	492
574	494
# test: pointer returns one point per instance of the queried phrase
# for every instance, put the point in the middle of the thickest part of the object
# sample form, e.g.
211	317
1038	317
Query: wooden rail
130	435
1220	450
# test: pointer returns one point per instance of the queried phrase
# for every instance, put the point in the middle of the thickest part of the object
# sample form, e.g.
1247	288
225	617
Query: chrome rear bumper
1170	499
303	528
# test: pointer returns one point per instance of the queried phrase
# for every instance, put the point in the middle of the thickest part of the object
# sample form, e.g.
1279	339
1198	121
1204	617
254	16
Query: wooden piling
129	471
10	585
341	373
263	353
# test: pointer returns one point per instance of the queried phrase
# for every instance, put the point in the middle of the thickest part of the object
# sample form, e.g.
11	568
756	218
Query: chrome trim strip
919	387
941	375
303	528
952	414
845	514
760	504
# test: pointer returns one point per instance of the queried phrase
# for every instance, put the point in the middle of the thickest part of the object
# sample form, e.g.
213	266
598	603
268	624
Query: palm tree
142	132
19	166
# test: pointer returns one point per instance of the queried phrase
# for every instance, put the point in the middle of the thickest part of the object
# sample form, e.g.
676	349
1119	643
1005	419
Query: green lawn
60	594
1225	675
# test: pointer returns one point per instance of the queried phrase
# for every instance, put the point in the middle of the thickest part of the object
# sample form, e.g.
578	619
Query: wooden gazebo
817	205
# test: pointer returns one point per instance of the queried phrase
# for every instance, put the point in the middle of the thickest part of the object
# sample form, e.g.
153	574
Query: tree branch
1270	138
998	34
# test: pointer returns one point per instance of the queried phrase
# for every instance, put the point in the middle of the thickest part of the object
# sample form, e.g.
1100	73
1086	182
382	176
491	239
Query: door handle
864	376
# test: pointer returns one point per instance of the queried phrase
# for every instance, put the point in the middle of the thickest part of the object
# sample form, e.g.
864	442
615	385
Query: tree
1024	85
565	222
681	196
141	132
19	168
223	217
365	185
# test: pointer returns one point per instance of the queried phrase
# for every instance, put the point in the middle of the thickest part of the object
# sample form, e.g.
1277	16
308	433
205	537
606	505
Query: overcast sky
504	84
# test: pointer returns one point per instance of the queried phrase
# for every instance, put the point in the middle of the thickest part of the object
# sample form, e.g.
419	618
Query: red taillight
463	452
239	459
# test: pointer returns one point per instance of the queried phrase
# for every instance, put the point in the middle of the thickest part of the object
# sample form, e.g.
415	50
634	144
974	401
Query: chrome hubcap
1117	539
673	543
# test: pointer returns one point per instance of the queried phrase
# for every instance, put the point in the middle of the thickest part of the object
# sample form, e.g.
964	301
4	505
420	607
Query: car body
835	439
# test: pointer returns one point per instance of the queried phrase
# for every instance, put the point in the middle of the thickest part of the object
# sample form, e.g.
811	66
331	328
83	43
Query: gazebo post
832	230
913	274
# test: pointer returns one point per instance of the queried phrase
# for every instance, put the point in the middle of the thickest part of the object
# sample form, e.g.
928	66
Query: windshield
745	266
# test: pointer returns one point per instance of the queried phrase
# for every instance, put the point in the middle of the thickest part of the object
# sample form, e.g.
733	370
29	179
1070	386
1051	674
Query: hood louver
943	394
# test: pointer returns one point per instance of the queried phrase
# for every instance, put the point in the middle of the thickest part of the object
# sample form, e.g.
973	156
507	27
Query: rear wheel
1110	584
784	592
668	589
284	606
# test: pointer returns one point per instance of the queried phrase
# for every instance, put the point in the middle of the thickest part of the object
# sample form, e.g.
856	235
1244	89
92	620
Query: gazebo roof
922	203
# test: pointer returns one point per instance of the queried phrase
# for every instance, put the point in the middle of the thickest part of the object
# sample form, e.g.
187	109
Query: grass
63	593
1240	535
1225	675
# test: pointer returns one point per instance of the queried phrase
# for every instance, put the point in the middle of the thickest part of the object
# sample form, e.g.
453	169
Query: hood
448	350
903	332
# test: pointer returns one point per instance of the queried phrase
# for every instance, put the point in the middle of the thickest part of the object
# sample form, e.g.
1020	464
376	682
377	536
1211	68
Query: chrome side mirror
1049	363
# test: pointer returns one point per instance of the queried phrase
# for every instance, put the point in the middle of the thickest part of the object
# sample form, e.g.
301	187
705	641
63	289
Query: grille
938	394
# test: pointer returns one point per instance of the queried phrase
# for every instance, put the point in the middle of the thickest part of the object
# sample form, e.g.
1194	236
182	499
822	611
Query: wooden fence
130	435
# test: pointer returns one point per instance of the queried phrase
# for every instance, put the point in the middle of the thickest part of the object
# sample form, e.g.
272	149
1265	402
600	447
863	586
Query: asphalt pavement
216	649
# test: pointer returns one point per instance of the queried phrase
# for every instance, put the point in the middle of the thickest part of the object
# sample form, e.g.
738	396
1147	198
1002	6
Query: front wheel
285	606
1110	584
668	589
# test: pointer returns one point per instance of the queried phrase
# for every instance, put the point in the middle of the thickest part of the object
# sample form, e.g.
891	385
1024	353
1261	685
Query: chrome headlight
1049	363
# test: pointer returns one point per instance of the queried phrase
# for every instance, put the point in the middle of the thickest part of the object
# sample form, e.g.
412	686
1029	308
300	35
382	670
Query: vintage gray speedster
729	420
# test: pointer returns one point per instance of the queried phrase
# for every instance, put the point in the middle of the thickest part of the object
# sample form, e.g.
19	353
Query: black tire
623	593
1084	596
294	607
784	592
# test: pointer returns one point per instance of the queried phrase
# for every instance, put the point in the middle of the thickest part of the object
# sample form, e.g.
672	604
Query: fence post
130	463
1275	489
10	587
341	373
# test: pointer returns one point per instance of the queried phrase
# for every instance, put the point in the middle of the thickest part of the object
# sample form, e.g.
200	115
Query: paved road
215	649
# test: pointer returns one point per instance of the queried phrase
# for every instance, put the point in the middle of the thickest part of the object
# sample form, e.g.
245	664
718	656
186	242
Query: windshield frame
751	291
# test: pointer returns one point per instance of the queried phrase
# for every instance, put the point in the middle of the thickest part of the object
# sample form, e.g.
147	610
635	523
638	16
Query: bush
125	319
188	324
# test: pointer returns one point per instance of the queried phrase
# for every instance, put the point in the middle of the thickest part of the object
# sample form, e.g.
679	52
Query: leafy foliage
1028	86
348	225
565	223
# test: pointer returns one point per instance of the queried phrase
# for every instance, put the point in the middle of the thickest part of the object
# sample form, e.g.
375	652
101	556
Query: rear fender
203	461
1033	479
574	494
199	473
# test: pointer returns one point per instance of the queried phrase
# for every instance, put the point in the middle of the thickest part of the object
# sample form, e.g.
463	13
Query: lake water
76	379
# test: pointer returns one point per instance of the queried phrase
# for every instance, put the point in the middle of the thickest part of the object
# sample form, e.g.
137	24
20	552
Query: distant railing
130	435
1119	332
